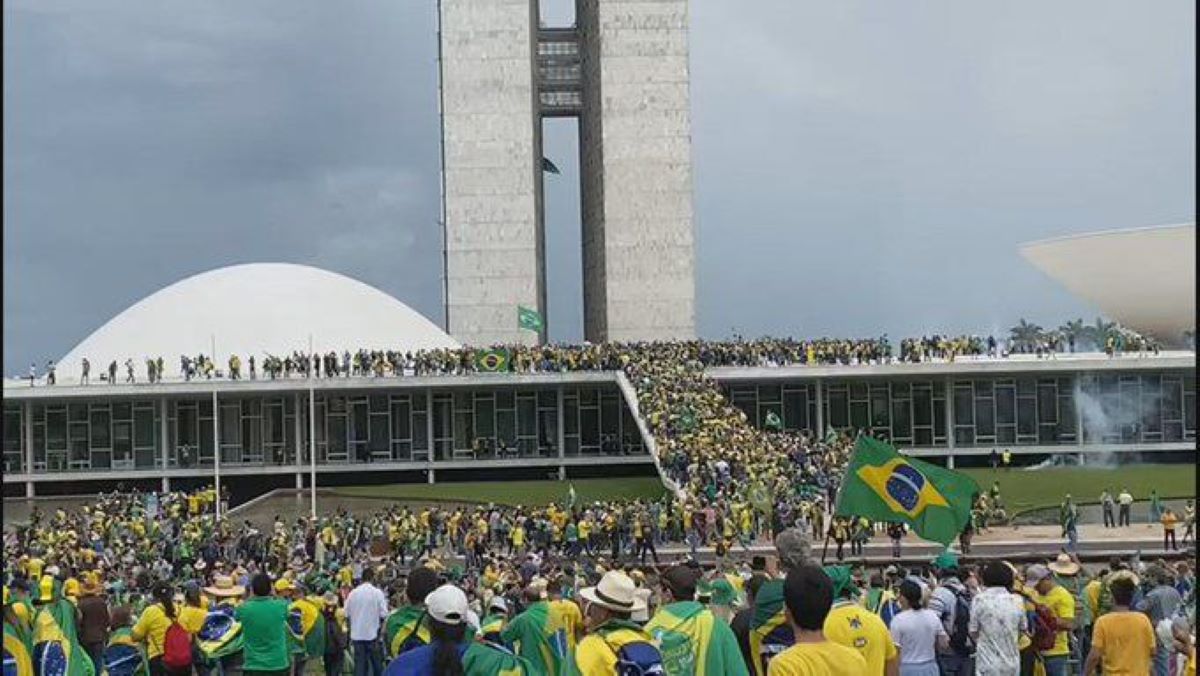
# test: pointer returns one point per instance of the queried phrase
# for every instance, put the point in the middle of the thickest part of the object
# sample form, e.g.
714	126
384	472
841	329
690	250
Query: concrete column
299	480
430	475
950	422
298	435
820	431
562	434
27	439
29	489
164	436
429	430
1077	383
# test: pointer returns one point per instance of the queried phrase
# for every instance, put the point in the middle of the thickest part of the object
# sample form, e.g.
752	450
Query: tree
1026	334
1097	333
1073	329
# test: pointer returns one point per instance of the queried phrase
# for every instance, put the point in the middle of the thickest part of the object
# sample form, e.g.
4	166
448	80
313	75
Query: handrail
630	396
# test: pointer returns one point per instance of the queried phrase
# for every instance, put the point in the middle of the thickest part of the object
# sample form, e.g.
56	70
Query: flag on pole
548	166
773	421
528	319
570	495
493	361
882	485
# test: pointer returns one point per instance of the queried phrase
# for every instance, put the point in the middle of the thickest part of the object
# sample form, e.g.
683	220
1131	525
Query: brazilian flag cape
221	634
123	656
770	633
882	485
539	634
56	649
18	651
306	624
487	658
693	641
406	628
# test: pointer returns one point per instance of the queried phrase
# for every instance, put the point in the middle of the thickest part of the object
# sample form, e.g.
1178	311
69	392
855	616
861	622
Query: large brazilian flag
493	360
18	651
882	485
56	649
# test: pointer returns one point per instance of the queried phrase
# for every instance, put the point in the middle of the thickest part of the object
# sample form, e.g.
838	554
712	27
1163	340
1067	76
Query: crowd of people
149	584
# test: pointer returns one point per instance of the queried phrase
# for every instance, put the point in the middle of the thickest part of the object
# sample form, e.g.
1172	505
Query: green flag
883	485
570	495
548	166
773	422
687	421
830	435
491	360
528	319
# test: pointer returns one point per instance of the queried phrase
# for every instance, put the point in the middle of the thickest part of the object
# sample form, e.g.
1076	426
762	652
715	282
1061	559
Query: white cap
498	603
448	604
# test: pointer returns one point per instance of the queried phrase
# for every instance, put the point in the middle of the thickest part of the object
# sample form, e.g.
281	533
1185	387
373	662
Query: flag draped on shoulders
56	649
406	628
882	485
539	635
694	642
770	632
18	651
123	656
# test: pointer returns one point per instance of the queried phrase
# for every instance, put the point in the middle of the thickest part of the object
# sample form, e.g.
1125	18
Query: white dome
255	309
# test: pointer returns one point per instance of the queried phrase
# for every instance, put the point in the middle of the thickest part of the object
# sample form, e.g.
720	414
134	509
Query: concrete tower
622	70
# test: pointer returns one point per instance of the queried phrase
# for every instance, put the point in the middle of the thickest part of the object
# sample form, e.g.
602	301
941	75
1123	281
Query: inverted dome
1144	278
255	309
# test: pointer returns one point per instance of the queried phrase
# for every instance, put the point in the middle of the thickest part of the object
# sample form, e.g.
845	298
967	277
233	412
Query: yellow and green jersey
693	641
406	628
541	636
770	633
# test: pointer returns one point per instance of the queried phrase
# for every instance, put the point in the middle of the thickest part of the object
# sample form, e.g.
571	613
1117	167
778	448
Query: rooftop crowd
156	585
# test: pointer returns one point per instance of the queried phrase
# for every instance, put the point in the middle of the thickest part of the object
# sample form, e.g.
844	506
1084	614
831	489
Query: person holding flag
692	640
18	647
56	648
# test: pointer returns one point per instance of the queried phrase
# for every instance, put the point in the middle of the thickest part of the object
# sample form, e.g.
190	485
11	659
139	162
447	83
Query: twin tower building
622	70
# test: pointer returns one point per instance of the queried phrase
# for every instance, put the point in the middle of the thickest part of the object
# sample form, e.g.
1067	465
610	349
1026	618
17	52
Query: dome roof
1144	278
255	309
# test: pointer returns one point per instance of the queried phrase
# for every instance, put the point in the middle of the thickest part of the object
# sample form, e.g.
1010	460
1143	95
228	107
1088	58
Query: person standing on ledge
1125	500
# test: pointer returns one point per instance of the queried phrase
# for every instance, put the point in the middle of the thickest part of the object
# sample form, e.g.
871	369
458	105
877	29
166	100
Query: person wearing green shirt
264	619
692	639
407	627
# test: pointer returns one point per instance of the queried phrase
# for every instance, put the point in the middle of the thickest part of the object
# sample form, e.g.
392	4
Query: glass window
1006	406
143	428
589	427
485	418
401	423
420	432
338	449
1047	405
381	440
379	403
795	410
571	415
839	415
923	436
78	412
963	405
1006	434
858	391
506	427
547	398
1026	416
901	421
360	428
900	390
964	436
1066	418
858	415
771	393
527	416
985	423
56	429
122	411
922	406
100	430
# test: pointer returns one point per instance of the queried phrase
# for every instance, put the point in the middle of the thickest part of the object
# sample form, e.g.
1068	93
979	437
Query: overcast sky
860	167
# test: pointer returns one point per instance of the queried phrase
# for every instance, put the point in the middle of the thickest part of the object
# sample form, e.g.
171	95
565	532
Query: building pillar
165	438
166	484
430	474
562	434
299	481
298	434
950	423
429	429
820	431
29	489
27	439
1077	387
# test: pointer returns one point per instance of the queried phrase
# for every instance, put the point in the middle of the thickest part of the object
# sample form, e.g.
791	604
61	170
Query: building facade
561	422
622	71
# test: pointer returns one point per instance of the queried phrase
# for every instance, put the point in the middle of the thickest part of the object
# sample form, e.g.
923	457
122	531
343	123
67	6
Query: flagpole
312	435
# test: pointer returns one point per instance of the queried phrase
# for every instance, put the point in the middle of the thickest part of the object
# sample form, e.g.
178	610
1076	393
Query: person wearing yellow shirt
151	627
1123	641
808	596
1048	593
518	537
850	624
607	610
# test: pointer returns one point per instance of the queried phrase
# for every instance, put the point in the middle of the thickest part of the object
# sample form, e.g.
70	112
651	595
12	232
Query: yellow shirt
818	659
191	618
1091	596
572	619
853	626
1125	641
1062	604
594	657
152	628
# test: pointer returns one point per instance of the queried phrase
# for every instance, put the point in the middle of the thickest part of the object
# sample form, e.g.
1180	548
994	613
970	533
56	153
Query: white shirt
916	633
366	608
997	619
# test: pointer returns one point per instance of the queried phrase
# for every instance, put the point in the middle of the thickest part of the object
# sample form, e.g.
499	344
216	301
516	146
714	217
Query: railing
631	401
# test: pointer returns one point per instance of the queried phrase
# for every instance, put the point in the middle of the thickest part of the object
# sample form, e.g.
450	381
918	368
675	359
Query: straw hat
615	592
223	586
1063	565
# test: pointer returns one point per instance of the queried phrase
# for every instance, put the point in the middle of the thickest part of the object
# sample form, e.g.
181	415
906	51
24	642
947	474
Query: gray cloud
860	167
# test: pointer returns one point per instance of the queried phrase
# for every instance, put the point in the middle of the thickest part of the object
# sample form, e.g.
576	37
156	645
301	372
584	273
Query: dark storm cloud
860	167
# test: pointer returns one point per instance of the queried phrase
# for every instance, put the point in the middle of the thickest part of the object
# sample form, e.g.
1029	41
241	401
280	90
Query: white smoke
1099	423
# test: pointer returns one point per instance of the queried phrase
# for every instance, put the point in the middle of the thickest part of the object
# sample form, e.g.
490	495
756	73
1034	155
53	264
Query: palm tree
1096	334
1073	329
1026	334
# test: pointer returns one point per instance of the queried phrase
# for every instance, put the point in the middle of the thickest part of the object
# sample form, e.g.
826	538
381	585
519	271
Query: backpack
960	635
638	658
177	647
1044	626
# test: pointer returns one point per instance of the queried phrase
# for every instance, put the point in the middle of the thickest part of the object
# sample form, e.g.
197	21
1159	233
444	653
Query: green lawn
1022	490
514	492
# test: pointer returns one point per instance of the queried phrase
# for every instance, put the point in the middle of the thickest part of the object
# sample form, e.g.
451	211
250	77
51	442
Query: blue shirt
416	662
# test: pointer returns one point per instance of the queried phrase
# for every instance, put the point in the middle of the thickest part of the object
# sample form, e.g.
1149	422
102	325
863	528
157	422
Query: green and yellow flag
883	485
528	319
493	361
693	642
18	651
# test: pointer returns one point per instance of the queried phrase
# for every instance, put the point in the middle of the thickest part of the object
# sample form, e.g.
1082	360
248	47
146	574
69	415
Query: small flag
882	485
548	166
773	422
528	319
687	421
759	497
570	495
830	435
492	361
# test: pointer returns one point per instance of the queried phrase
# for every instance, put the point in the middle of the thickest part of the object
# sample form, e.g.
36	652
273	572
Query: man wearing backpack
1046	592
952	602
692	639
614	644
